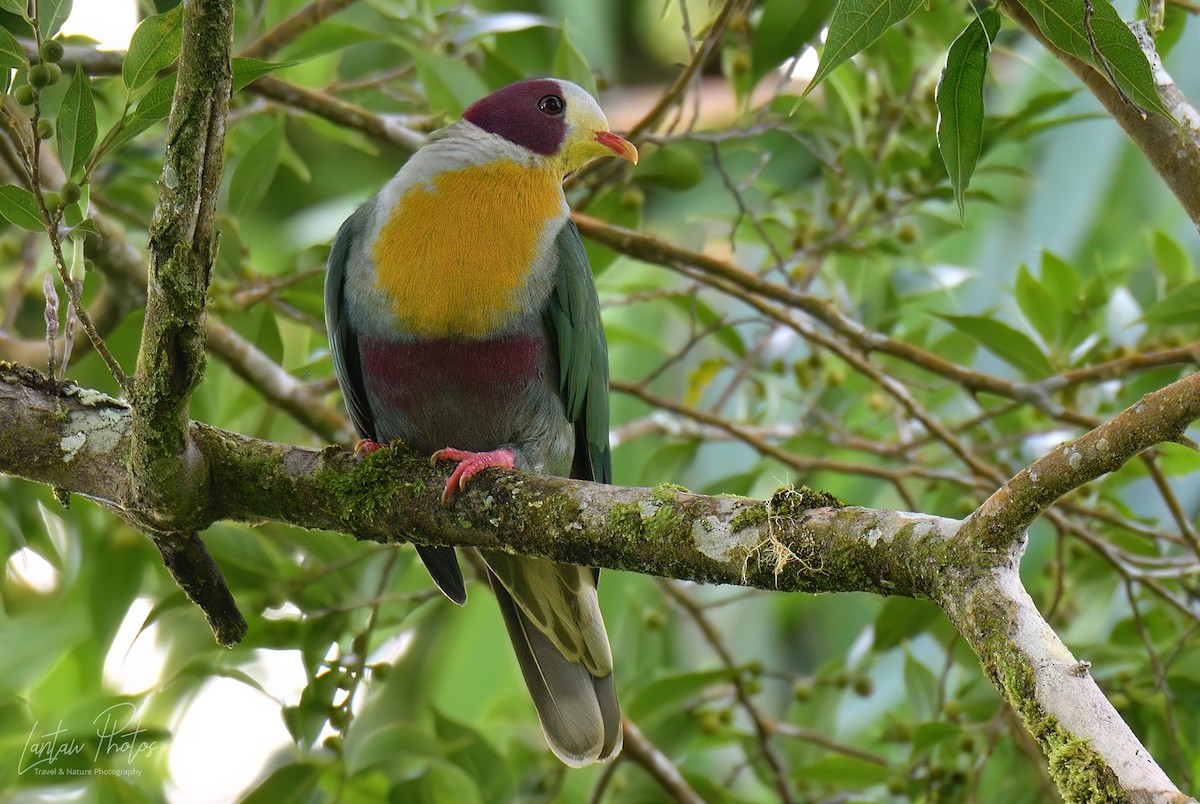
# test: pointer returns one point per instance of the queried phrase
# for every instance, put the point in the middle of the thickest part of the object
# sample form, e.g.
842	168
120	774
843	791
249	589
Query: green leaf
1061	281
921	687
670	692
155	44
51	15
786	27
20	207
253	174
960	101
902	618
1013	347
570	63
1173	261
845	772
18	7
854	25
476	756
1180	307
675	167
1062	22
76	125
1037	305
932	733
440	782
295	782
450	84
247	71
154	106
11	52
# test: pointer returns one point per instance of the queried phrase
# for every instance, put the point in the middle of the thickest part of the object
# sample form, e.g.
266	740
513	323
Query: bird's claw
366	446
469	465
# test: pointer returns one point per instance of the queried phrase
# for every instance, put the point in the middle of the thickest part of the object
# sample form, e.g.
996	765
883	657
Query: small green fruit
24	94
45	129
71	192
55	72
53	201
39	75
52	50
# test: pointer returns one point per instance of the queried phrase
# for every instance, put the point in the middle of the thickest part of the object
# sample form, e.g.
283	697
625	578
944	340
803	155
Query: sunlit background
227	724
235	724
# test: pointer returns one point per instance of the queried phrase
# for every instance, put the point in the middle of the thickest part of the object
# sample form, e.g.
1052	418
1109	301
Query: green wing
573	319
343	340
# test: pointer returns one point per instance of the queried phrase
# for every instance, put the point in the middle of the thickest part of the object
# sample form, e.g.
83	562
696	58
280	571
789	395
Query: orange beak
618	145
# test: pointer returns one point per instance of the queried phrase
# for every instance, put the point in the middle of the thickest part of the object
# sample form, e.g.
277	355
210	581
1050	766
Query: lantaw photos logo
119	738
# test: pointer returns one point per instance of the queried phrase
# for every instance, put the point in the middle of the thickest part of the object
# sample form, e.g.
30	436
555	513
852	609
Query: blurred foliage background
357	682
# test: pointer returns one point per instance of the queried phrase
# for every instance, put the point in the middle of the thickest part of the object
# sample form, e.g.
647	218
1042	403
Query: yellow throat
452	257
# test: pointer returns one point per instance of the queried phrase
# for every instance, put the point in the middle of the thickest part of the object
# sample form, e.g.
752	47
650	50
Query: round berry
52	50
23	94
53	200
55	72
71	192
45	129
39	75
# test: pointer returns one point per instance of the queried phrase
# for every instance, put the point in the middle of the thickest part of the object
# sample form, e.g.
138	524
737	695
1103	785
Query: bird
463	321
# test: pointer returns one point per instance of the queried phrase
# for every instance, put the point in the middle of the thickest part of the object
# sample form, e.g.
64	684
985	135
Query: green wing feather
573	318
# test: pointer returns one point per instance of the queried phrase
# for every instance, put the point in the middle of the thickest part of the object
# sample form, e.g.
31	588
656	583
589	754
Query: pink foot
470	464
366	446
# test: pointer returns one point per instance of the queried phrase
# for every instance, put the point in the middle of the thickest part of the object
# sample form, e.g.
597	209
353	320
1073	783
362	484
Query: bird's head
553	119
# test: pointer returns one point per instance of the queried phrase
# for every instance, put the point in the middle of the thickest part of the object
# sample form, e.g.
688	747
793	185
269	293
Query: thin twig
293	26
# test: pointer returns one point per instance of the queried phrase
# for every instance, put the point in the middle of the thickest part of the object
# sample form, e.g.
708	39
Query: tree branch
168	485
799	541
166	478
293	26
1160	416
1171	146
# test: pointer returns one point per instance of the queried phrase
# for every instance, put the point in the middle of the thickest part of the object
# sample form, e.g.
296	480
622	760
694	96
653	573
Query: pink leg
366	446
470	464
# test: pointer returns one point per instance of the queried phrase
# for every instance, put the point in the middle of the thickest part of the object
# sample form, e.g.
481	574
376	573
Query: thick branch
1091	752
798	541
167	476
1161	416
1173	149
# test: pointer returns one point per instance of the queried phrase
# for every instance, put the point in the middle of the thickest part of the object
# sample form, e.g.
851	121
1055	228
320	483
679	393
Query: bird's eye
552	105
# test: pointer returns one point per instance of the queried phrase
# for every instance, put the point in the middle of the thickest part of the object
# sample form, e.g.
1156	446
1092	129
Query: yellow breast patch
452	257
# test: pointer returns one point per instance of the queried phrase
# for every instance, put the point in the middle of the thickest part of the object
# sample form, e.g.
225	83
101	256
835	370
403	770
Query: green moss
664	493
667	525
1080	774
364	487
61	413
624	520
789	501
749	517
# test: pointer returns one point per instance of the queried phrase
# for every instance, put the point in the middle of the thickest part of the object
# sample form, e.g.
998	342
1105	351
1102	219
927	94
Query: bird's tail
553	618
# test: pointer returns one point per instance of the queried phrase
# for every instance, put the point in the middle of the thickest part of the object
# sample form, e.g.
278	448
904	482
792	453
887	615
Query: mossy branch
167	489
798	541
